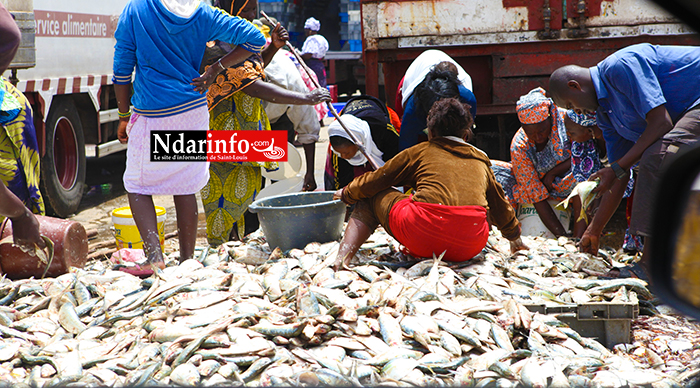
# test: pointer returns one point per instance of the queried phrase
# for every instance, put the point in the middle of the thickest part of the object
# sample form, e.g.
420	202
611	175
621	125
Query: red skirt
426	229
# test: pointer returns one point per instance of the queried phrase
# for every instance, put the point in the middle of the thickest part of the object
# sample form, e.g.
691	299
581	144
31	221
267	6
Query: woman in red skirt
455	195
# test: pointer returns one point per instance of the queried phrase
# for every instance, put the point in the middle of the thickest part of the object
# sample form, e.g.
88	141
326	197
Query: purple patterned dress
585	161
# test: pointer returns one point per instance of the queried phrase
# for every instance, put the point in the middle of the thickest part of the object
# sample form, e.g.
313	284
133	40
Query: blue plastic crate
276	7
270	1
343	17
338	107
355	44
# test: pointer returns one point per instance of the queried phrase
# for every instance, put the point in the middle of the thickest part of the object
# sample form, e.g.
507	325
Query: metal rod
330	106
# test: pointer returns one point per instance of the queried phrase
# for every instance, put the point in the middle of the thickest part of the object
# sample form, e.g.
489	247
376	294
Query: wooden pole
330	106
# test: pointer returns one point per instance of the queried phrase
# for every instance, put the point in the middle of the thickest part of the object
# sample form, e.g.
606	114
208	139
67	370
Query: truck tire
63	164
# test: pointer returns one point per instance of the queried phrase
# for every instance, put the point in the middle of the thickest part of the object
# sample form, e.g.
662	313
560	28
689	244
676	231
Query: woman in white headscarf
370	122
314	49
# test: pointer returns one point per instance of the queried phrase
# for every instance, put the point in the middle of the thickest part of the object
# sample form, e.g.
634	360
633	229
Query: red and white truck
64	67
507	46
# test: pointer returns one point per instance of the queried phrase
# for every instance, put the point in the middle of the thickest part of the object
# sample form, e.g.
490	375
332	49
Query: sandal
630	271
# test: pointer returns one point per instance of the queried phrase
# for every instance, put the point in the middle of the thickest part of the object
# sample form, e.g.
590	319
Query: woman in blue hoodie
164	42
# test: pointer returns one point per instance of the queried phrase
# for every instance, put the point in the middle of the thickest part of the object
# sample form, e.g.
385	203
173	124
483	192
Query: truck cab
64	68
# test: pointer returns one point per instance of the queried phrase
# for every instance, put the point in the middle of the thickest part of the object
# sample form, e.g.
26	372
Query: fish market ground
290	320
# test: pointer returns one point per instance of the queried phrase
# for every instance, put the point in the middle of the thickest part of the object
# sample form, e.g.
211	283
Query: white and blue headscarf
584	120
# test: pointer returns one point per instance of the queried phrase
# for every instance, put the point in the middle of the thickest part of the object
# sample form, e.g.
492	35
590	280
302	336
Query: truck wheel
63	165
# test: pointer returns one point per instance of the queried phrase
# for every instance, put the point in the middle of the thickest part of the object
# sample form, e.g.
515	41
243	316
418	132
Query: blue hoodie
167	50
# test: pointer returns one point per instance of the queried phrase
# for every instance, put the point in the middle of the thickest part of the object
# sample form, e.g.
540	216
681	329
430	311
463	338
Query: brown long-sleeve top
445	172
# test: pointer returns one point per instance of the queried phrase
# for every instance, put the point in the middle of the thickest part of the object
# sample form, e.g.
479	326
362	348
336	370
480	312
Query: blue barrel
294	220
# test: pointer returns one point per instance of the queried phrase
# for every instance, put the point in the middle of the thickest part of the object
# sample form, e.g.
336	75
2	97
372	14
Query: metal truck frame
64	67
508	47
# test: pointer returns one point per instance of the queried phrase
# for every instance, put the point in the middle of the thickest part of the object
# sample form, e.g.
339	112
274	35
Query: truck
509	47
64	67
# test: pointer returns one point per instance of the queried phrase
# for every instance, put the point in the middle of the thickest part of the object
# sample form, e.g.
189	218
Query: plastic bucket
127	234
287	186
287	169
294	220
70	250
532	224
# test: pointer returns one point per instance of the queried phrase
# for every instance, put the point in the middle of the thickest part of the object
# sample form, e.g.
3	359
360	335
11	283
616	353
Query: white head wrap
422	65
360	129
312	24
181	8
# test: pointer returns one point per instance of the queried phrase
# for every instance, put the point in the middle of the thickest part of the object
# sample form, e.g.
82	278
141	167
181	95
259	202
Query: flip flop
630	271
132	261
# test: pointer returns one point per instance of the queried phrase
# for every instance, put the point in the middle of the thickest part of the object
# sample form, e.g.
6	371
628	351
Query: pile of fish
245	315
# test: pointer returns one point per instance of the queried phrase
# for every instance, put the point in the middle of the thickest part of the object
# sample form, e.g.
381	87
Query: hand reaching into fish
26	232
342	263
518	245
589	243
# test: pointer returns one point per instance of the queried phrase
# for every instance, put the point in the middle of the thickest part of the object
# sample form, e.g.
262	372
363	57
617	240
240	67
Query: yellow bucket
126	232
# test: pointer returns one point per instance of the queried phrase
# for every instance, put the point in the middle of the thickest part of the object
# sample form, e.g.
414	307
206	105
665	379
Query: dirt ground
614	232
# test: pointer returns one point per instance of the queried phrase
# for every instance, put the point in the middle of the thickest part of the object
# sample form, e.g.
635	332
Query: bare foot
160	264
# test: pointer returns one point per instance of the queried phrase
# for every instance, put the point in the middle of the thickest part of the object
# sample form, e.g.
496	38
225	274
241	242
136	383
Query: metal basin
294	220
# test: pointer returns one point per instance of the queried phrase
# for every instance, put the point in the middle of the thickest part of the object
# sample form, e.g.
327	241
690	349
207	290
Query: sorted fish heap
242	315
668	343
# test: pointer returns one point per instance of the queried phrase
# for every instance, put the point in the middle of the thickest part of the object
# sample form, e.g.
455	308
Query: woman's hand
202	83
279	36
560	170
309	183
548	180
338	194
121	131
589	243
518	245
318	96
25	231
